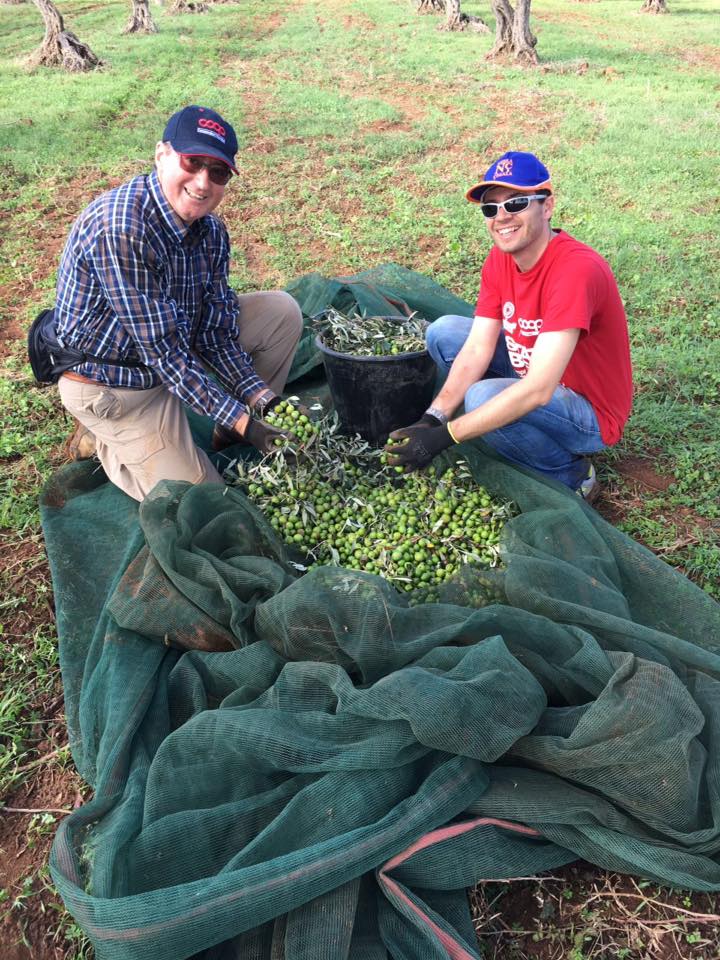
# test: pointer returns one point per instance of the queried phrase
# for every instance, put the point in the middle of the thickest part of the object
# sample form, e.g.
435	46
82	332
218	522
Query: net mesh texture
291	767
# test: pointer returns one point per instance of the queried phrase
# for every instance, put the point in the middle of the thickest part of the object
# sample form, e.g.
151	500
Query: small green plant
41	825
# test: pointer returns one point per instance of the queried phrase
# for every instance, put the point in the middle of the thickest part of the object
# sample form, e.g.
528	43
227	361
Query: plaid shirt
135	283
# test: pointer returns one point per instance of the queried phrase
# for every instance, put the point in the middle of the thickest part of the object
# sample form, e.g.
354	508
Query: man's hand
255	432
264	402
265	438
267	401
426	420
223	437
422	442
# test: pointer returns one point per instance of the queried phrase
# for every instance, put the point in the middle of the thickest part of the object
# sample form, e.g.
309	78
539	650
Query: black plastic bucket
375	395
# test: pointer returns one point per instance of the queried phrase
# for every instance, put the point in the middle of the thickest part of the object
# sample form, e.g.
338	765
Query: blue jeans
553	439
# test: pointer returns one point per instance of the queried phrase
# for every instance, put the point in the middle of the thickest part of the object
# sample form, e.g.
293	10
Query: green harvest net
308	768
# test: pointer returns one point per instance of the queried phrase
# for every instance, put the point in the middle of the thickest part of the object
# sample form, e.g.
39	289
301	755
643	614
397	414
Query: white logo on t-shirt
531	328
518	354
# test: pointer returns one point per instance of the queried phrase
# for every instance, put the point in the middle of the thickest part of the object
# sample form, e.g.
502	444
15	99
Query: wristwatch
438	414
265	402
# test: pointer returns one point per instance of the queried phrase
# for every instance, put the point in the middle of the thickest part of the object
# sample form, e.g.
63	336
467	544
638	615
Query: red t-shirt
570	286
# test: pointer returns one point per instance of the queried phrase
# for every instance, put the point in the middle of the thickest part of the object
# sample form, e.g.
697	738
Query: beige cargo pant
143	436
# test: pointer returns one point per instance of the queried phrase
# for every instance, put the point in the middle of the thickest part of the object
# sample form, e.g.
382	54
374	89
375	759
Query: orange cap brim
475	194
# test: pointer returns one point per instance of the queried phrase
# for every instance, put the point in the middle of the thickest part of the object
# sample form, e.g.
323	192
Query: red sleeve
571	298
489	301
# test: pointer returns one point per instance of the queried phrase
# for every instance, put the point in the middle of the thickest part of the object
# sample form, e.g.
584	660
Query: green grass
362	126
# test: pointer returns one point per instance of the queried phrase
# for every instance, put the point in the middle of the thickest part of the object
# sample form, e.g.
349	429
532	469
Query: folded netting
308	767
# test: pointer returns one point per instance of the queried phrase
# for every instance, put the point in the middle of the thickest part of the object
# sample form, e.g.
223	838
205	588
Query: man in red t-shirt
544	367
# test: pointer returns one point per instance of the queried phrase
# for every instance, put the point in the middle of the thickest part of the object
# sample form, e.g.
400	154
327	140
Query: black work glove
423	442
427	420
223	437
303	410
260	435
263	437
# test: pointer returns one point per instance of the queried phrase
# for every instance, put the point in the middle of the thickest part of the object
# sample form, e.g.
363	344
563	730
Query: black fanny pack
49	360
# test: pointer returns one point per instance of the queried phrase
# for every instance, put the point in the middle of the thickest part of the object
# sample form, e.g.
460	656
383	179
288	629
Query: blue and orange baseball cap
519	171
201	132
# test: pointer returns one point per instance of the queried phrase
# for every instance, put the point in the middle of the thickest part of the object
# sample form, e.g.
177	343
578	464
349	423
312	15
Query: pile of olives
417	530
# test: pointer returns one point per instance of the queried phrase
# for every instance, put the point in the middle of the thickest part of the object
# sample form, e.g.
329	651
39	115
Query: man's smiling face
523	235
191	195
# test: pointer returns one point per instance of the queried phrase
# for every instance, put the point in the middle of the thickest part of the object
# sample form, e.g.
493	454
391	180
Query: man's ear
549	206
161	150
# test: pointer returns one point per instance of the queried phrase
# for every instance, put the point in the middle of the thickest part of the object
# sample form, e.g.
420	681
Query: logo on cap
504	168
212	128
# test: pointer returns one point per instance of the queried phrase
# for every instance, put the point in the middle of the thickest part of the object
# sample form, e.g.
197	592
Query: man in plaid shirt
143	288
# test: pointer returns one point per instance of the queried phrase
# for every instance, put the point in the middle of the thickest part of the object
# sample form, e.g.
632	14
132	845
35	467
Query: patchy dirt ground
30	817
47	785
580	912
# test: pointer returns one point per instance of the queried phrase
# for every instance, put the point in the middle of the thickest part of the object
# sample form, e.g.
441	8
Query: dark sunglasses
513	205
219	173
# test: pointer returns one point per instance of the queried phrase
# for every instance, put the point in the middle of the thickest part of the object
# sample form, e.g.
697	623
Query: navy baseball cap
519	171
200	132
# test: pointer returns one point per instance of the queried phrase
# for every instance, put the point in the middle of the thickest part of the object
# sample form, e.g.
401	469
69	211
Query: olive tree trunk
654	6
61	48
455	19
141	20
513	36
187	6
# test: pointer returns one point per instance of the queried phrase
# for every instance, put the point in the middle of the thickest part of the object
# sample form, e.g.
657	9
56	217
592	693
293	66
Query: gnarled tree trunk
187	6
141	20
654	6
61	48
513	36
503	13
457	20
524	40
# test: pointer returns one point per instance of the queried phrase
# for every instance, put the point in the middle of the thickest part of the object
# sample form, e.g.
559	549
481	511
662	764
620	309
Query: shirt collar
181	233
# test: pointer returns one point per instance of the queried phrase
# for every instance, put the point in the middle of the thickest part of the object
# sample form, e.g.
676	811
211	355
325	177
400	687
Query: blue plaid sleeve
131	276
218	338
